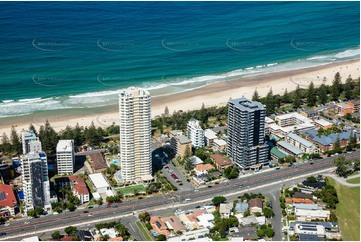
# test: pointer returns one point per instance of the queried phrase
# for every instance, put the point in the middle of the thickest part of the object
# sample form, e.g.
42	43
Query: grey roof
290	147
247	232
306	206
241	207
310	237
183	139
300	140
328	139
247	105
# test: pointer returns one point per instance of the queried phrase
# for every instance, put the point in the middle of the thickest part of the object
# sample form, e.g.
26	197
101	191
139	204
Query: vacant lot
348	211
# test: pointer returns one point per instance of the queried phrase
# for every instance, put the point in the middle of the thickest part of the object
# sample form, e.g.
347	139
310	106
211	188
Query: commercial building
195	133
180	143
30	142
135	133
65	157
246	130
301	143
8	201
35	181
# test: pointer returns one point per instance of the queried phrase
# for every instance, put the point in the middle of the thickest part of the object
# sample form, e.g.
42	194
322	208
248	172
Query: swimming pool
115	161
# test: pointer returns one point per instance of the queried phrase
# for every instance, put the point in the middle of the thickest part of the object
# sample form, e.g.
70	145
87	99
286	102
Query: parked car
2	233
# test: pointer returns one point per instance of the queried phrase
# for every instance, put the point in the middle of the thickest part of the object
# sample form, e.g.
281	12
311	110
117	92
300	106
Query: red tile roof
204	167
67	238
79	185
7	197
255	202
299	200
220	160
159	226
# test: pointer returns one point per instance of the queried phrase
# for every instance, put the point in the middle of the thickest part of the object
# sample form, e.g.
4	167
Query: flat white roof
322	122
98	180
210	134
30	239
311	213
65	145
301	140
293	115
220	142
268	120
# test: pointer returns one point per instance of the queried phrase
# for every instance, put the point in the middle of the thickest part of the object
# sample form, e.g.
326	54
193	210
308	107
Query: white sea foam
165	86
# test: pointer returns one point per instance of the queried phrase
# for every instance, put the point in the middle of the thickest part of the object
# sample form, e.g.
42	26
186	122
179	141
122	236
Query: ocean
67	55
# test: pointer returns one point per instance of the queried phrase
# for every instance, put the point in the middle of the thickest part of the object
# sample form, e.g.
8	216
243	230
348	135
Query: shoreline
214	94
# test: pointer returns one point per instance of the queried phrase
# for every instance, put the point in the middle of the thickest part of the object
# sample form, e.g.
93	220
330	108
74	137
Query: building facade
195	133
65	157
135	133
180	143
30	142
301	143
35	181
246	131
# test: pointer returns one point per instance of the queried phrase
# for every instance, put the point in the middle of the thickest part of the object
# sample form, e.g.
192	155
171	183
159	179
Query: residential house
220	161
174	224
190	225
101	185
225	209
298	200
304	228
206	220
303	195
245	233
159	226
8	201
308	215
241	207
202	169
84	235
191	235
317	184
255	205
249	220
79	189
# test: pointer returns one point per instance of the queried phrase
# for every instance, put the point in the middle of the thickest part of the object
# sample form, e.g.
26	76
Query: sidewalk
342	180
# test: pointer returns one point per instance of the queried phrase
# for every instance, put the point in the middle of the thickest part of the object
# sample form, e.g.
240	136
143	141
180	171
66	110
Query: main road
18	229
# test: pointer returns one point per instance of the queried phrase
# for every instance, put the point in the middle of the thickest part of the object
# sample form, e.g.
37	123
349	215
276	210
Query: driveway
343	181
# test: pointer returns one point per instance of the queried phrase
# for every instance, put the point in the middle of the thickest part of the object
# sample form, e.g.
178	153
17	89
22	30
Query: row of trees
345	167
49	137
328	195
310	96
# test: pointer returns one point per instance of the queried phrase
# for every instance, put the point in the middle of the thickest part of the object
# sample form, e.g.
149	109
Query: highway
17	229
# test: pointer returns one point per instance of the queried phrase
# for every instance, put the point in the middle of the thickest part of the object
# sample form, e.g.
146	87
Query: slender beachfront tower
135	133
65	157
246	130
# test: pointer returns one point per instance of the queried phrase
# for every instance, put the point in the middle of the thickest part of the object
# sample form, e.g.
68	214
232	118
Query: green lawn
90	186
355	180
130	189
348	211
91	202
144	231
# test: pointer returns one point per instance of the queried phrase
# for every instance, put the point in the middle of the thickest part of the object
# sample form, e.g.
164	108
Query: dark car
2	233
278	168
85	211
198	206
289	165
209	186
270	204
311	163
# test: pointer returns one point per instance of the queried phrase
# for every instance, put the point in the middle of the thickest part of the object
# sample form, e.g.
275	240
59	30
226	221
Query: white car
7	224
27	222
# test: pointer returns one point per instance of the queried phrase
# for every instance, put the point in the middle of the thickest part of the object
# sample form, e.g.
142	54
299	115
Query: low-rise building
202	169
244	233
326	142
277	154
255	205
241	207
8	201
308	229
159	226
209	137
79	189
100	184
174	224
301	143
344	108
225	209
308	215
180	143
219	144
309	112
191	235
289	149
298	200
323	123
252	220
98	163
220	161
206	220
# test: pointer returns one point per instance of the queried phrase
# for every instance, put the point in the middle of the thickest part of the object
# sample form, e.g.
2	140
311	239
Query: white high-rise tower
135	133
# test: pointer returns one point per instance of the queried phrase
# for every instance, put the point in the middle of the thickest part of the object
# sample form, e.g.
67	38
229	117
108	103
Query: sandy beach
210	95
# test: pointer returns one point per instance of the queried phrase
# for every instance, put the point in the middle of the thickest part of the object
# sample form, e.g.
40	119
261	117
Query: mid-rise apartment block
195	133
65	157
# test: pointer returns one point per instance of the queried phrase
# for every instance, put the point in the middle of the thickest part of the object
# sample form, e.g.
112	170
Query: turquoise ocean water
64	55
